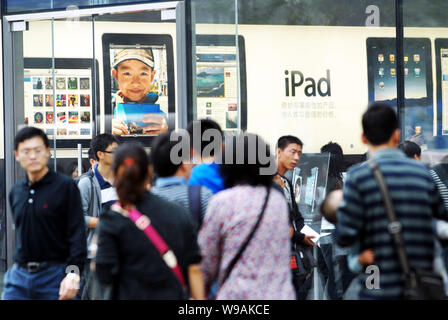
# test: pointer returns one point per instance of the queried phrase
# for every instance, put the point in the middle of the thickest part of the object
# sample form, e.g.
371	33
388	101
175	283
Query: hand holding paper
311	232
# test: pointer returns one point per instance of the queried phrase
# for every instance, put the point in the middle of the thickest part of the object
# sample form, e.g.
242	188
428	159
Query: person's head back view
103	146
197	143
380	126
131	171
336	166
160	158
246	153
410	149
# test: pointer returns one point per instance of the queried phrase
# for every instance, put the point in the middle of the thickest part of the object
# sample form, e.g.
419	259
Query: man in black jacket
289	150
50	235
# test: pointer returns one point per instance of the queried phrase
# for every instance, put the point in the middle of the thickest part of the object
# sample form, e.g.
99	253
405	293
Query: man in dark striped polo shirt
362	218
172	179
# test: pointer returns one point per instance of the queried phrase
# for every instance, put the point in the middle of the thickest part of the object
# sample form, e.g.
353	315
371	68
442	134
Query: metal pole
54	93
315	277
238	102
79	159
400	71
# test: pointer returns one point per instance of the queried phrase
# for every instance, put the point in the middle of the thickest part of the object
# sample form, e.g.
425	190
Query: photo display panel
73	120
309	181
139	84
382	64
217	81
444	82
441	48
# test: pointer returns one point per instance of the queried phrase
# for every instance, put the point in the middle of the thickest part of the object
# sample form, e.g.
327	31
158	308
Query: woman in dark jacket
126	259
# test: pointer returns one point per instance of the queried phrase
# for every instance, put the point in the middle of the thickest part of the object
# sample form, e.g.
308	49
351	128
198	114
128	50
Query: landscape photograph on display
210	82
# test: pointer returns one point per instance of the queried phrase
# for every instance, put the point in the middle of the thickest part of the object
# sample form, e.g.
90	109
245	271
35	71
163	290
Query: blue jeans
42	285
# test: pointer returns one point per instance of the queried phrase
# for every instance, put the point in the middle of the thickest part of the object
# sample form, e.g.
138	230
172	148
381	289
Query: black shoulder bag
246	242
419	284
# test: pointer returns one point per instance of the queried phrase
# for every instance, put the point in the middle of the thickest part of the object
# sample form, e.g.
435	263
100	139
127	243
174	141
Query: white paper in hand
311	232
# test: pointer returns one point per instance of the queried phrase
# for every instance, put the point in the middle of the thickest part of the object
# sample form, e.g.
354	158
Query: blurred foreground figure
245	234
50	235
363	219
147	246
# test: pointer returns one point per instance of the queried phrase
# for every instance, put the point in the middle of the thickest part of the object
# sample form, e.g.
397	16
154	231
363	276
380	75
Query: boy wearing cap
134	72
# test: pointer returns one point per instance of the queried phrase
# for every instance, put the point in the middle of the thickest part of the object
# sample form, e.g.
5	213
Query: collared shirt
362	218
108	192
287	192
175	189
49	221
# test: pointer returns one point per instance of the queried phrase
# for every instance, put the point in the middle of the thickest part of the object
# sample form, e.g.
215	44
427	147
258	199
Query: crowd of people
217	224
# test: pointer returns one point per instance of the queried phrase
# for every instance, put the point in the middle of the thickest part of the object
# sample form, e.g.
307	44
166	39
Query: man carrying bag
403	243
289	150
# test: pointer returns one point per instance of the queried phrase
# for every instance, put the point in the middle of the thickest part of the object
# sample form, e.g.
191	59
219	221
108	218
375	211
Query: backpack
194	198
90	174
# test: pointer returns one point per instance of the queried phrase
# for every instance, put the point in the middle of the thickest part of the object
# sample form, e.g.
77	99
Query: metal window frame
62	14
13	81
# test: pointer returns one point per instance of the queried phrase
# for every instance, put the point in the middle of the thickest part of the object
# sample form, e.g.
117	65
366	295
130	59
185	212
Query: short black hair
91	154
248	172
160	155
101	142
336	166
205	124
410	148
379	123
285	141
28	133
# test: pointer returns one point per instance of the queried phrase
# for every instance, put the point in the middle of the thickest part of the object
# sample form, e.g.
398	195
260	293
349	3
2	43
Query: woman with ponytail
147	247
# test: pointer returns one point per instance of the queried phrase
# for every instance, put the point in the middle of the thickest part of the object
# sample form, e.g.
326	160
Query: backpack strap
90	175
194	198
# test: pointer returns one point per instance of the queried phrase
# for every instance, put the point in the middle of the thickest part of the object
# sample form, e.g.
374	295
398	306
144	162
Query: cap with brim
142	55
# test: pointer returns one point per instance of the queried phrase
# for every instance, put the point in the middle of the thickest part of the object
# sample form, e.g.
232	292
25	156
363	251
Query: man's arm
209	240
87	196
77	242
196	282
349	215
437	205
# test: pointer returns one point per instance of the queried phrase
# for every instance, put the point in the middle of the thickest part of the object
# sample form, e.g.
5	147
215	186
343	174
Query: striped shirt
108	192
441	186
362	217
175	189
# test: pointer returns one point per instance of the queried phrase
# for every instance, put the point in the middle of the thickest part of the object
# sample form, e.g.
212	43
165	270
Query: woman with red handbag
147	246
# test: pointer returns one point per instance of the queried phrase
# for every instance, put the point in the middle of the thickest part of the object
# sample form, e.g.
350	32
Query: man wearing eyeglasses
50	234
97	191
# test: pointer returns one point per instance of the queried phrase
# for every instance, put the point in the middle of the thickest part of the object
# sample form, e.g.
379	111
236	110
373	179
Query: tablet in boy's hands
135	117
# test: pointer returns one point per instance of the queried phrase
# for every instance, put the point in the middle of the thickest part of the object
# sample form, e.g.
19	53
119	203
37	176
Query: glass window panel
311	69
218	76
426	74
3	256
144	107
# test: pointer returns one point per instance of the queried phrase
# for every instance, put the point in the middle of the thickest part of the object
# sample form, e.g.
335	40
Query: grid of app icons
69	95
386	69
